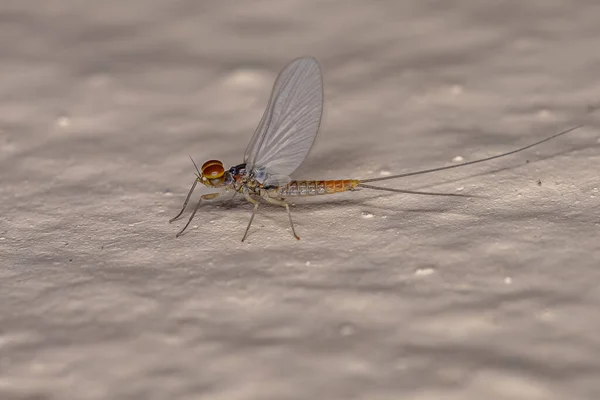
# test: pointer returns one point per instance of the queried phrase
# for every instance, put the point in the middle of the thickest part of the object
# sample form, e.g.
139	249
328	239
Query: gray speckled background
386	296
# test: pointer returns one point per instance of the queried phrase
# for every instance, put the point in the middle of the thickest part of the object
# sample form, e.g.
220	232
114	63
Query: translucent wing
290	123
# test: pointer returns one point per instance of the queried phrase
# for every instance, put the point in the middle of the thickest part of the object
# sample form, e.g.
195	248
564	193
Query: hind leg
282	203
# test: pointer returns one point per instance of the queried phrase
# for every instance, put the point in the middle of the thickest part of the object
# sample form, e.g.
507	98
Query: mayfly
282	141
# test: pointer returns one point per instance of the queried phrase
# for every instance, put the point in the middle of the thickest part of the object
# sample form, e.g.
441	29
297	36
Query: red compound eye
213	169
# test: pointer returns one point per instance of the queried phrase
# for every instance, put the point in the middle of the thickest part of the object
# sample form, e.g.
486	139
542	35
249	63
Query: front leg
208	196
251	200
185	202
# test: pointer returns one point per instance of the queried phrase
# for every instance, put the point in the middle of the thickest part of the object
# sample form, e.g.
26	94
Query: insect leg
208	196
232	197
185	202
282	203
251	200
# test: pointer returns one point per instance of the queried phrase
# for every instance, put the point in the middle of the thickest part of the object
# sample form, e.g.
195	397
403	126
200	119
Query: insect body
311	188
282	141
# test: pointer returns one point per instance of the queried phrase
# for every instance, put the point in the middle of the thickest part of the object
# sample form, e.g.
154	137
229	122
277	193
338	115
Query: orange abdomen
313	188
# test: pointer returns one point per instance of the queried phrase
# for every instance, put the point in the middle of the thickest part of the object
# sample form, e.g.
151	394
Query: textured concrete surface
386	296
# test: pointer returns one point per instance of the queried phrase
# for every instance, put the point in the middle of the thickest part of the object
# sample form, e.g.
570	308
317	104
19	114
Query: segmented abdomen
313	188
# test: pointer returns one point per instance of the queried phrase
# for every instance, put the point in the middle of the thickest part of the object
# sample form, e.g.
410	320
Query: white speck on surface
307	264
63	121
508	280
547	316
366	215
99	80
456	89
347	329
384	172
245	79
458	159
544	114
424	271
